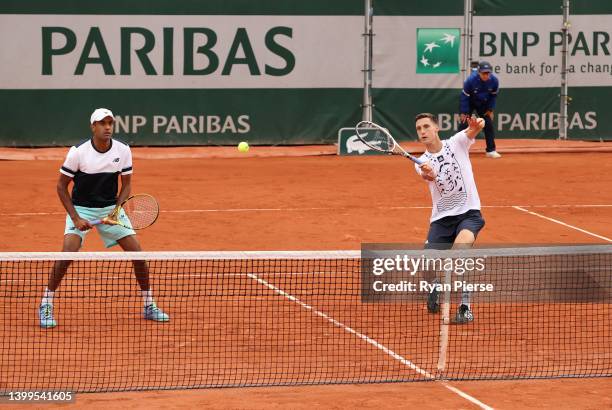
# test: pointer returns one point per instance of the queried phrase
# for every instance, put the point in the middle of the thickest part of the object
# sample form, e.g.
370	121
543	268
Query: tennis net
282	318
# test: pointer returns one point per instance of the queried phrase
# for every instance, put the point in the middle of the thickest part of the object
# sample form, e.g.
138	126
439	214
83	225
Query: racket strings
379	139
141	210
385	142
376	138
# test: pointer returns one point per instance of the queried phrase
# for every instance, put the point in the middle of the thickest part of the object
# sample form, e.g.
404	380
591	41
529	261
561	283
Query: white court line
334	208
32	213
229	210
254	210
563	223
371	341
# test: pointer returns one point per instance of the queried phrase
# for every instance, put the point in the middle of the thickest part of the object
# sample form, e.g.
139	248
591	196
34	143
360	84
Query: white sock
147	296
465	298
47	297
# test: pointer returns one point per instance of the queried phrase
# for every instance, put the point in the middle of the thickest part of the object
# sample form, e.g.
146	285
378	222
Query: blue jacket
477	94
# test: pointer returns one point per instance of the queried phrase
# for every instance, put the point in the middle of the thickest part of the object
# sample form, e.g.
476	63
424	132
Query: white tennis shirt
95	174
454	190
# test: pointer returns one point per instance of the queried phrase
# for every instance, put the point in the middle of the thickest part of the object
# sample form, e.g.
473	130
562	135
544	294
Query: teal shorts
110	234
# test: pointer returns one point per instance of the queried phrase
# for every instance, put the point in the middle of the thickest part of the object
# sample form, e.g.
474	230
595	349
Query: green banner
541	7
417	8
181	117
520	113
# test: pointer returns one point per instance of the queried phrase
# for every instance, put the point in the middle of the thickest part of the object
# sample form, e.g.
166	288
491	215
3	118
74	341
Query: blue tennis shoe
152	312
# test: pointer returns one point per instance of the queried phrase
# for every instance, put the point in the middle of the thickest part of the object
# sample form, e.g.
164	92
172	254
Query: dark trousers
489	130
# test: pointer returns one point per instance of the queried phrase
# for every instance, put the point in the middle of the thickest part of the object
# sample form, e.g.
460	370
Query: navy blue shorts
443	232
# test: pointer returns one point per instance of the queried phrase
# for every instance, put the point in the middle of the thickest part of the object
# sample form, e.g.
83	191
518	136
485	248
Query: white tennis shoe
45	315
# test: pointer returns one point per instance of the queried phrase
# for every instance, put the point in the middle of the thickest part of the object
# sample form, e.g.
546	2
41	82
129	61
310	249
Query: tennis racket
139	211
379	139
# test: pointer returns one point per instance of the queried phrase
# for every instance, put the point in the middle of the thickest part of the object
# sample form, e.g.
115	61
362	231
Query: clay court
306	198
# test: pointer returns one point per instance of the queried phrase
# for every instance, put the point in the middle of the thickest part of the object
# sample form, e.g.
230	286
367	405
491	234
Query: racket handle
415	159
95	222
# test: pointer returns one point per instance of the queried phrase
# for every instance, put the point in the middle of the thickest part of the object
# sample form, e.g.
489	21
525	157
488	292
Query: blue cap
484	67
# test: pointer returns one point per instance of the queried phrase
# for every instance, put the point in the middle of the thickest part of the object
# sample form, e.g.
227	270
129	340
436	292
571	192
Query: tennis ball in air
243	147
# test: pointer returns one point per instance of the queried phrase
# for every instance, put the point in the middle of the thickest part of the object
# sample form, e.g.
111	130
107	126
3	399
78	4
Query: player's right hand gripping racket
141	210
379	139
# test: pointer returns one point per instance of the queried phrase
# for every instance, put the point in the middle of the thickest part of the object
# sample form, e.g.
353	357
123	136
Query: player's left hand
82	224
476	123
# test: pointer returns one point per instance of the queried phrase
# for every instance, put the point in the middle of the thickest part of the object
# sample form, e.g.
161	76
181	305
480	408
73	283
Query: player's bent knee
465	238
72	243
129	243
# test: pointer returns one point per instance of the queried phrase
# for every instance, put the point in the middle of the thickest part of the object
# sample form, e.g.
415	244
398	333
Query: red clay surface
328	202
